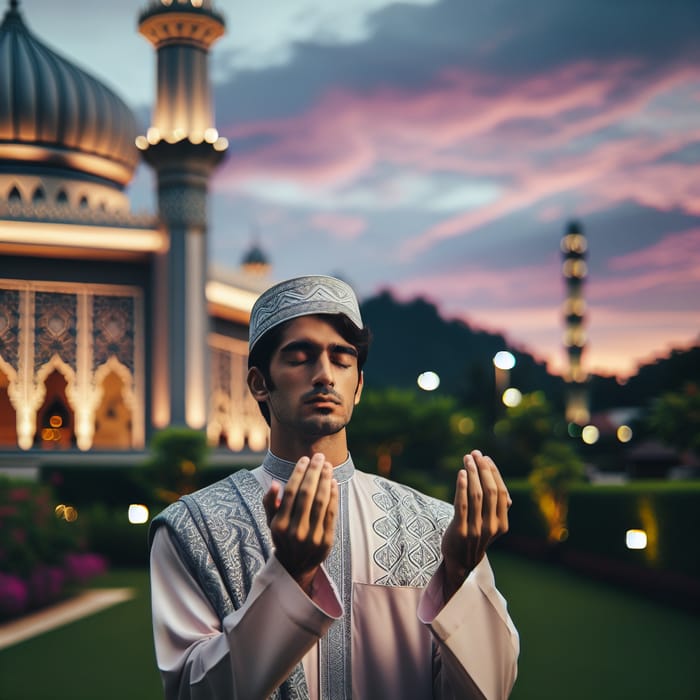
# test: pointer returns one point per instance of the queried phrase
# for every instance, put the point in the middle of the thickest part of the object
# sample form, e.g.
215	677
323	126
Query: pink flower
19	494
45	584
14	595
81	567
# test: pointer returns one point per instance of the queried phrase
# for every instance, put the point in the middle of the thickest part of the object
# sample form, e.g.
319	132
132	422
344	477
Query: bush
109	532
599	517
179	454
42	548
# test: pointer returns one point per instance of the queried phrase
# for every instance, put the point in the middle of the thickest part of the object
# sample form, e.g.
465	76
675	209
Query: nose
323	371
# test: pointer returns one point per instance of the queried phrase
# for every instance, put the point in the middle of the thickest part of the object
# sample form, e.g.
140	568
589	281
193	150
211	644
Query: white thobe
393	628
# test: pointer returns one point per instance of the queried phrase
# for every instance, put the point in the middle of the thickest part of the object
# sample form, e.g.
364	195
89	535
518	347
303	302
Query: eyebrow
308	346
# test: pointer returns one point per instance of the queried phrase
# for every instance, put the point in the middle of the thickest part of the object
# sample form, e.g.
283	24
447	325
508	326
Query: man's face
315	378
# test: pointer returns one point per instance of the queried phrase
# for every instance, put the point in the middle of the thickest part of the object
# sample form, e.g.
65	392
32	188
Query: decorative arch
14	195
55	417
62	197
39	196
115	401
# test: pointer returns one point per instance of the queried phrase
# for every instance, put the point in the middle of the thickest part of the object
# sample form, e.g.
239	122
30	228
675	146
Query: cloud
339	226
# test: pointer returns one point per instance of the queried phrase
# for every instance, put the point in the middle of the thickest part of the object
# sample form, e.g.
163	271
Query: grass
579	639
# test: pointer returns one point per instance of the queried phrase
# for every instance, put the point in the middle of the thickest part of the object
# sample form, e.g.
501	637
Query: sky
439	148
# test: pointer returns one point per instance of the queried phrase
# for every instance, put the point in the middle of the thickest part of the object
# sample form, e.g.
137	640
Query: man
307	578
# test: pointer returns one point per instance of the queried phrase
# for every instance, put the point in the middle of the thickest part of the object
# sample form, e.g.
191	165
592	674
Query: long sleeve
256	647
477	641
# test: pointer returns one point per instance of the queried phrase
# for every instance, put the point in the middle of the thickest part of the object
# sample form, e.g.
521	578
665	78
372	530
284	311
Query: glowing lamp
636	539
504	360
624	433
428	381
512	397
138	514
590	434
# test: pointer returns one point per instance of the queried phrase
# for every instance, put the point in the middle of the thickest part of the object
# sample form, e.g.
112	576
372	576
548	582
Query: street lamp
503	362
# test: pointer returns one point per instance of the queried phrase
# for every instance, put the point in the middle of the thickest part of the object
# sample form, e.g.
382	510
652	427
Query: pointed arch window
39	196
14	195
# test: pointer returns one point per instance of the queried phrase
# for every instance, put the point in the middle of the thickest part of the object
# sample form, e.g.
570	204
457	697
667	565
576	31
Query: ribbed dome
54	114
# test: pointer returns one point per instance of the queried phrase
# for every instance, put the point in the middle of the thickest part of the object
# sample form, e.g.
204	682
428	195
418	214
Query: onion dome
255	261
55	115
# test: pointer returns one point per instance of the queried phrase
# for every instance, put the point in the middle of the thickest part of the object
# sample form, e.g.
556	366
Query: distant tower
575	270
183	147
255	261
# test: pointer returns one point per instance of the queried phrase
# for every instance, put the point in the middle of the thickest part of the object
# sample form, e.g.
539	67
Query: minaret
184	147
575	270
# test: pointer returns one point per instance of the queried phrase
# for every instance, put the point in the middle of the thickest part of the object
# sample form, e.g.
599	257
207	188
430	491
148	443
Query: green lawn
580	639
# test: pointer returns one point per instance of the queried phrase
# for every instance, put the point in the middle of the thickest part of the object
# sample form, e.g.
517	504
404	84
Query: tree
675	418
415	438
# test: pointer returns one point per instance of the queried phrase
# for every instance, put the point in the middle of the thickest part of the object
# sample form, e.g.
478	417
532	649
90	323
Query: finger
489	488
301	513
474	495
320	504
504	499
271	501
461	503
284	512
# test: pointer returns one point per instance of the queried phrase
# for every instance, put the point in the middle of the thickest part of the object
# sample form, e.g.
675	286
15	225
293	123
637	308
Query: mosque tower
574	247
183	146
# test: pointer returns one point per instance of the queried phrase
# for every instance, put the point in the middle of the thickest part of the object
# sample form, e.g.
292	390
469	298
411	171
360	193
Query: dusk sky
439	148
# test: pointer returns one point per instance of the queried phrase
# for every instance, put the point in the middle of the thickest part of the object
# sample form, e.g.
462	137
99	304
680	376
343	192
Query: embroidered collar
282	469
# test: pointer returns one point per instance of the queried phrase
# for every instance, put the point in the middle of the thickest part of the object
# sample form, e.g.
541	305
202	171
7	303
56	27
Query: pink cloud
339	226
676	249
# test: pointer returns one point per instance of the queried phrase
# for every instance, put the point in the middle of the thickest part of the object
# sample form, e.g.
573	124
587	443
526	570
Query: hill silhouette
412	337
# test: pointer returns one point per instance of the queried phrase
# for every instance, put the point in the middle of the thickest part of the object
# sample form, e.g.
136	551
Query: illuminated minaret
183	146
574	269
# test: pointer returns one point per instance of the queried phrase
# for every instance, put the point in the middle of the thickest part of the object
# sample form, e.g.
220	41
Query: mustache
324	392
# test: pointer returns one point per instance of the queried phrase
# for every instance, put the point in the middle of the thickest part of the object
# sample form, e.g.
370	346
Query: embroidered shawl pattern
222	535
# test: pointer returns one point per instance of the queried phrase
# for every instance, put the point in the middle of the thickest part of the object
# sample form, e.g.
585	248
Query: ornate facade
111	326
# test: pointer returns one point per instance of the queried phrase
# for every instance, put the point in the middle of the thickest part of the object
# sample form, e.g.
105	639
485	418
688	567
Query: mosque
112	325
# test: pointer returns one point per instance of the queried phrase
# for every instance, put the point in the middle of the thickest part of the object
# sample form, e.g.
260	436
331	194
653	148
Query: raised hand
480	516
302	520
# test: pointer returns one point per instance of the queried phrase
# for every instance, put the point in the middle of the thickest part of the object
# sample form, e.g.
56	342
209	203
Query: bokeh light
624	433
428	381
512	397
590	434
636	539
138	514
504	360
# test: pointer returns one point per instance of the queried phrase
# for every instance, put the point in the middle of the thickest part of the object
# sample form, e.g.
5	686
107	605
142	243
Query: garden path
82	605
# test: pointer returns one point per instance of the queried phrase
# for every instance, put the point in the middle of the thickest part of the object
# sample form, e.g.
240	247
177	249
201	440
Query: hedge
599	517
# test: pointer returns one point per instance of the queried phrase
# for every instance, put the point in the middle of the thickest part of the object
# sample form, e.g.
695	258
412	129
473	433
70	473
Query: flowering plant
41	554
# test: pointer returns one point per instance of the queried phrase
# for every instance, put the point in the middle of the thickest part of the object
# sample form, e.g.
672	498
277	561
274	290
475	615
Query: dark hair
261	354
